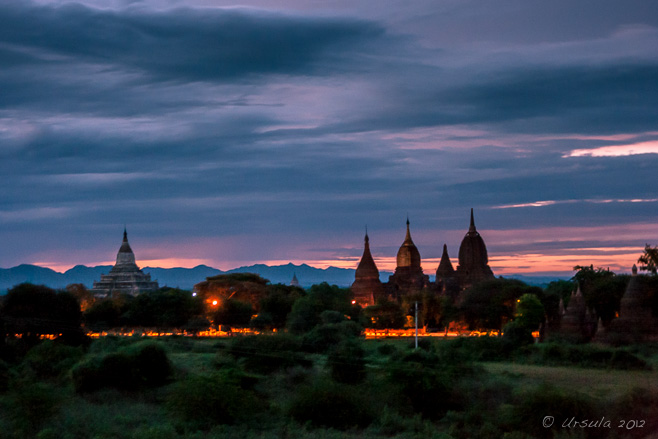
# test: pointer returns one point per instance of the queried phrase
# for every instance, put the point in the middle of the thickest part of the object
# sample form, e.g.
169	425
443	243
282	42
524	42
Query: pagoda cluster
409	277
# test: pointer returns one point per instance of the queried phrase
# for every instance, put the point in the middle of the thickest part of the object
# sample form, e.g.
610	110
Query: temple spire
125	234
472	226
408	237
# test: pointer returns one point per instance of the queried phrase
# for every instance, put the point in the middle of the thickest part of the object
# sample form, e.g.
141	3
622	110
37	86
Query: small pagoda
125	277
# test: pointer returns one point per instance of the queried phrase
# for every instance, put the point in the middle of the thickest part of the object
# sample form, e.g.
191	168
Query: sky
229	134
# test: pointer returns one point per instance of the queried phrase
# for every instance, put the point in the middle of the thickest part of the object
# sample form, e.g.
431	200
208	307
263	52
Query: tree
35	310
164	308
278	303
529	312
104	314
553	292
245	287
649	259
233	313
385	314
602	290
491	304
306	311
82	294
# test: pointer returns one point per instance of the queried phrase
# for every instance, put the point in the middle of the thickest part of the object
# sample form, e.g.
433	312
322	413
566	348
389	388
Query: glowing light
214	302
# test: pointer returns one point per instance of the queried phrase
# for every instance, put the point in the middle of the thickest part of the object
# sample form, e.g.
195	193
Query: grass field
278	387
602	384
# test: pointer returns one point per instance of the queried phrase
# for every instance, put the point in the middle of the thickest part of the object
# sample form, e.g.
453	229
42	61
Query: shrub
346	362
533	405
485	348
426	382
5	374
326	404
323	337
134	367
30	406
563	354
51	360
516	334
266	354
626	361
637	404
206	401
386	349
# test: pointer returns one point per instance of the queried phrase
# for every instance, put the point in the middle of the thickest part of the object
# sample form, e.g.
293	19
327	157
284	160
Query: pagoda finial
125	234
408	237
366	238
472	226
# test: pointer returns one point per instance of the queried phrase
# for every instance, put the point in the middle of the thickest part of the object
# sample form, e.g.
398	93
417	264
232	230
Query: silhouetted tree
35	310
649	259
245	287
306	311
164	308
602	290
492	303
278	304
104	314
554	291
82	294
385	314
529	312
233	313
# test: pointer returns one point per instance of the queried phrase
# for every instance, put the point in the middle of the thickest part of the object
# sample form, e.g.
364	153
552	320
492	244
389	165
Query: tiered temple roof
409	278
408	274
367	287
125	277
473	259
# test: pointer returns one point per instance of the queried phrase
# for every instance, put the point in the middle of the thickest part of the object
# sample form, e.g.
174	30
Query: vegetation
602	290
649	260
491	304
268	386
316	376
36	310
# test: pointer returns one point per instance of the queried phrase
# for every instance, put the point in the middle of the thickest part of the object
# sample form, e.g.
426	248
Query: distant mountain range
186	278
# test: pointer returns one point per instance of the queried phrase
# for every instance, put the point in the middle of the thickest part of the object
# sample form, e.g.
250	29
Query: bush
323	337
206	401
268	353
485	348
516	335
326	404
346	362
138	366
5	374
386	349
426	382
635	405
624	360
50	360
562	354
30	406
533	405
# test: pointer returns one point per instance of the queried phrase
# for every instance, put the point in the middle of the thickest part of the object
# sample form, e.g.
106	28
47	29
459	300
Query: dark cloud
184	44
294	130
